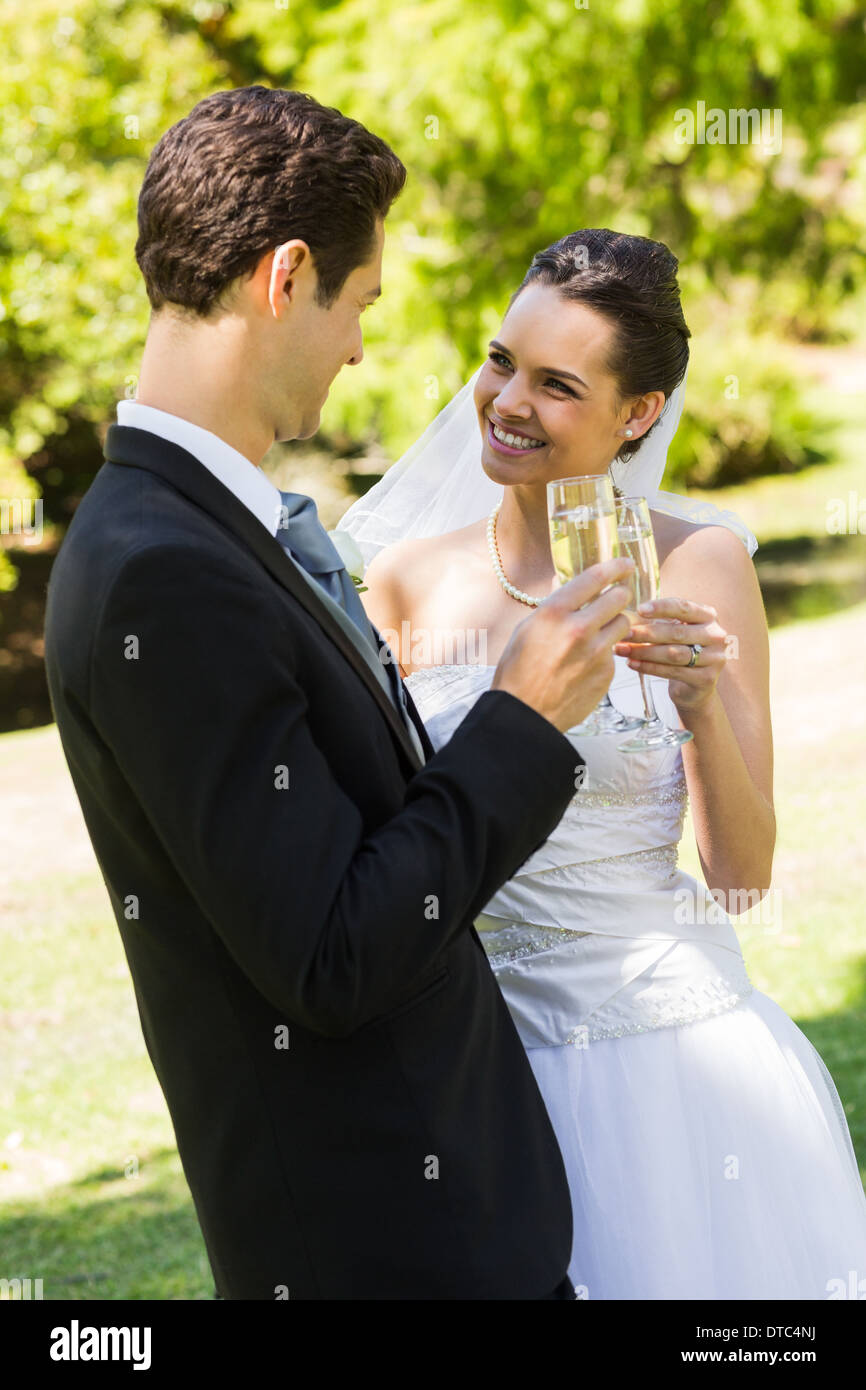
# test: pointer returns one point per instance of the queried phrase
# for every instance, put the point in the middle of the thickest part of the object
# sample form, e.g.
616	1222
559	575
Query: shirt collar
248	483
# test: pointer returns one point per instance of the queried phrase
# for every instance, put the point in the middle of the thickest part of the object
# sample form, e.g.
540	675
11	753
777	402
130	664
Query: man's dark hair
247	170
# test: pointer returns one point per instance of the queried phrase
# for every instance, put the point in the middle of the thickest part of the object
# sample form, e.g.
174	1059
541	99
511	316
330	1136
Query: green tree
518	123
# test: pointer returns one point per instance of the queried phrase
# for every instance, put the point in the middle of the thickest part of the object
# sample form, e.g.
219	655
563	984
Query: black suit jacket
354	1111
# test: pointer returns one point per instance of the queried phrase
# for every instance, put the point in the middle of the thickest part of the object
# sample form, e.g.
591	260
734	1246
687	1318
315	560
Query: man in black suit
293	870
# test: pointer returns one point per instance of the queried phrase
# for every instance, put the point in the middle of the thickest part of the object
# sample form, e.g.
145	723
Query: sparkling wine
637	543
583	532
580	537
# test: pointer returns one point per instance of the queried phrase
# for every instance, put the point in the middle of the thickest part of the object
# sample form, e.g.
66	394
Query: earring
628	433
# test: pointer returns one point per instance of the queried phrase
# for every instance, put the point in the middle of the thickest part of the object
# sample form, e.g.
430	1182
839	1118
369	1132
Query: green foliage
746	412
728	440
80	112
8	574
518	123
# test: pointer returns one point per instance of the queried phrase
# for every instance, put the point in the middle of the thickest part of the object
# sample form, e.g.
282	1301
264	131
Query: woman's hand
660	645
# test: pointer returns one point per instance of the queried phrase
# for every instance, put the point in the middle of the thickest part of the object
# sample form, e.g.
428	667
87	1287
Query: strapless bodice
599	932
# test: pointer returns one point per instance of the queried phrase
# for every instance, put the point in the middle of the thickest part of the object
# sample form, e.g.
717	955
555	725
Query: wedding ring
696	651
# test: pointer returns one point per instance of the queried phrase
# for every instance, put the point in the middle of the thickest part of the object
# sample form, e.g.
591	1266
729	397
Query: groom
293	870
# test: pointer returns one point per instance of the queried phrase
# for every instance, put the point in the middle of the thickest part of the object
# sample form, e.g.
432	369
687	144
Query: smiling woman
631	998
570	428
602	345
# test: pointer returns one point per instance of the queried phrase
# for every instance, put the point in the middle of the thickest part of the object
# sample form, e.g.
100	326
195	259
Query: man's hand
560	660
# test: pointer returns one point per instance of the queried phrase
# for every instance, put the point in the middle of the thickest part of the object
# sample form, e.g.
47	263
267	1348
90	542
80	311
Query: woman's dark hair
632	281
247	170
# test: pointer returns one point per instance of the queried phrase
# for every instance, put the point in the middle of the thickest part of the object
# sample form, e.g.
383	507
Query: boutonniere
352	558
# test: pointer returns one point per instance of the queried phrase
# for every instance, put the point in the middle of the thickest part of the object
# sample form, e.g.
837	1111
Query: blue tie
303	535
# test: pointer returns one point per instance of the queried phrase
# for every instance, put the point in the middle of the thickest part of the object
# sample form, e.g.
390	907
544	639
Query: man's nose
358	354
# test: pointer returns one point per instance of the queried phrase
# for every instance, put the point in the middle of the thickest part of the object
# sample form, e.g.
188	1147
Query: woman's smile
511	441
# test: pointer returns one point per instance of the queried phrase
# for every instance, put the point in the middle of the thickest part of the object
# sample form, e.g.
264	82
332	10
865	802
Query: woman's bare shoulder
405	572
678	539
709	564
409	563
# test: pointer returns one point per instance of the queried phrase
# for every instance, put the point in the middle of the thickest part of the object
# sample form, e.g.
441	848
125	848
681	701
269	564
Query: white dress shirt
234	471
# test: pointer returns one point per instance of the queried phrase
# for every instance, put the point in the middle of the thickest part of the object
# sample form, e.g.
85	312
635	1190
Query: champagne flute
583	533
637	542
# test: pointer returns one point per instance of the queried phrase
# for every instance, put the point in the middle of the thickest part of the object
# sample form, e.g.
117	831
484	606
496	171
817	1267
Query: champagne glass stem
649	706
655	733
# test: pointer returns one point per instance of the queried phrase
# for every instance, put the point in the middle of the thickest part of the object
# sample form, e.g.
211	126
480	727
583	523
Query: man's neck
192	373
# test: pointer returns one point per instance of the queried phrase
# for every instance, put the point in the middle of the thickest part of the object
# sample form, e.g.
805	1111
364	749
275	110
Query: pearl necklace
497	564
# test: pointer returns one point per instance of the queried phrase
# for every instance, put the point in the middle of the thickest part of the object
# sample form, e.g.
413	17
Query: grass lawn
93	1196
94	1200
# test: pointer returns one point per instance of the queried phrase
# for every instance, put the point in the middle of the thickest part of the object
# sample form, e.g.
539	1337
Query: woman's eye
560	386
500	360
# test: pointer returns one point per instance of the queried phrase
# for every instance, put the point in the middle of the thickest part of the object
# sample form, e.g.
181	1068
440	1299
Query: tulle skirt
709	1161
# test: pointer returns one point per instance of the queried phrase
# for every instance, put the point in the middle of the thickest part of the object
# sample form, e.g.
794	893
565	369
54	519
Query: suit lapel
183	472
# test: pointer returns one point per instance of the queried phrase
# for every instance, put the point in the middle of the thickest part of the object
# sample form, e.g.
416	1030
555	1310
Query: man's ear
290	263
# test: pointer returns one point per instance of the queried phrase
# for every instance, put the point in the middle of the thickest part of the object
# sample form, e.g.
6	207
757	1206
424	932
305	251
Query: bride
706	1147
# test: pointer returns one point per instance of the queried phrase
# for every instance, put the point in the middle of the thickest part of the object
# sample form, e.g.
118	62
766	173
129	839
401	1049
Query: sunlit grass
94	1200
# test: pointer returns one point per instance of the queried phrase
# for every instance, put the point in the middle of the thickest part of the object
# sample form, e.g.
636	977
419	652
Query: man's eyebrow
551	371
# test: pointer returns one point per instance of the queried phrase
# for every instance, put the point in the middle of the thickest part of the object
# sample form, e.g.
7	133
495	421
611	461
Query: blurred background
519	123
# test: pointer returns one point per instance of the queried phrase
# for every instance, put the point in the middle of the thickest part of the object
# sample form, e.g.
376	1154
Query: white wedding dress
706	1147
